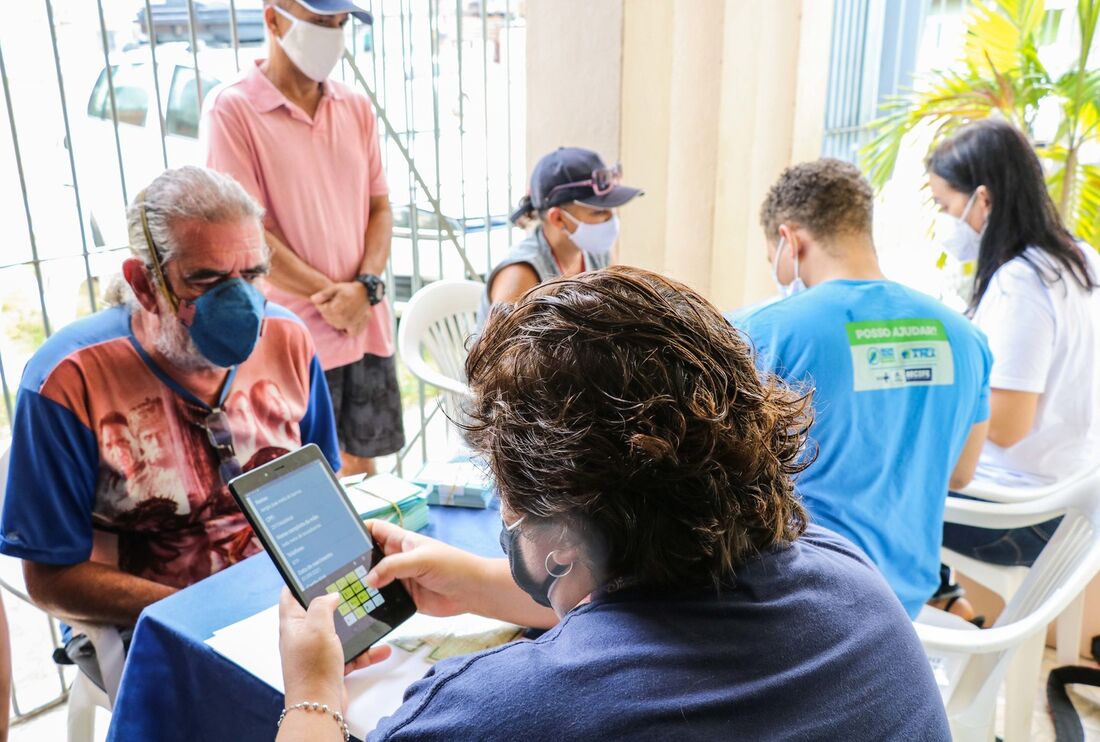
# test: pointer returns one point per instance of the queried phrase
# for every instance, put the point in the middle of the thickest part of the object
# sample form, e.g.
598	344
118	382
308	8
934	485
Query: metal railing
420	56
874	52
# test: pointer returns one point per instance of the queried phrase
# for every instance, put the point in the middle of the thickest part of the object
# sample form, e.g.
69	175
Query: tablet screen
322	544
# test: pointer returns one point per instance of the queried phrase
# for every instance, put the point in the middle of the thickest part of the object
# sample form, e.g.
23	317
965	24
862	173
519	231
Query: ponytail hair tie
523	210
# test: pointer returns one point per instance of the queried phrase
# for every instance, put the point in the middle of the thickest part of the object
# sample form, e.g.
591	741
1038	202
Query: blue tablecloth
175	687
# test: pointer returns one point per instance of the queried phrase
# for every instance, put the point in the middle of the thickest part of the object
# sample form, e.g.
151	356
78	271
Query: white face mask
956	236
597	239
313	49
795	286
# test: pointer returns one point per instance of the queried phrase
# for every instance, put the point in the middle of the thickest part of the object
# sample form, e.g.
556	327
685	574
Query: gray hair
186	193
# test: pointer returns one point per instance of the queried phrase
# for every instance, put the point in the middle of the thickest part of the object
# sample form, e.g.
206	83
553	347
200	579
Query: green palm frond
1087	222
999	30
1088	16
954	99
1056	157
1001	73
1079	92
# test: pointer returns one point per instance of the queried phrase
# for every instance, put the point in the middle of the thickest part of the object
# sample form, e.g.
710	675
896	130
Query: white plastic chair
975	662
1005	581
439	319
83	695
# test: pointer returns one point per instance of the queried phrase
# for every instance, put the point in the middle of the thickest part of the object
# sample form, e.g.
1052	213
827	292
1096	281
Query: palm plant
1002	74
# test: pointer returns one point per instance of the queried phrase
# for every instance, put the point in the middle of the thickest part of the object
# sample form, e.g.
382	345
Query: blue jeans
1014	547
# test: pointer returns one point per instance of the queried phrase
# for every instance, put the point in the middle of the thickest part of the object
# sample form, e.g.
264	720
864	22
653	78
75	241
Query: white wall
574	73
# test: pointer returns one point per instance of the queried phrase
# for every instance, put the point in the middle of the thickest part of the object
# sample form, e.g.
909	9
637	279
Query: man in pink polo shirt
307	148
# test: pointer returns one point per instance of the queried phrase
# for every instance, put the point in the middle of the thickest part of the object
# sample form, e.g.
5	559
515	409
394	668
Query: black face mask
539	591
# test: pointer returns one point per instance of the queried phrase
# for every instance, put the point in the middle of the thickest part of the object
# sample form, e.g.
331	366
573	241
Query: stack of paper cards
387	497
378	690
462	483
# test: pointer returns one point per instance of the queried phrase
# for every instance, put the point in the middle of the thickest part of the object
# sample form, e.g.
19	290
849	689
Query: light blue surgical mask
794	287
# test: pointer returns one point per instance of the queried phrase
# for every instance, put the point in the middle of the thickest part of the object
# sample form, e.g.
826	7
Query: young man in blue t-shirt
900	382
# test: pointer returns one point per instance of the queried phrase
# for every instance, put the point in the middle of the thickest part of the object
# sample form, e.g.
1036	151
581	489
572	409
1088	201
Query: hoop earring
556	575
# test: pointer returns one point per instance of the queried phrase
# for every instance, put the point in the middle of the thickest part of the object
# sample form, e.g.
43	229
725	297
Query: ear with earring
561	569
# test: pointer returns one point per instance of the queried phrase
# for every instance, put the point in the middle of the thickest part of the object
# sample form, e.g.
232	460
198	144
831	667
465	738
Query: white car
139	136
139	127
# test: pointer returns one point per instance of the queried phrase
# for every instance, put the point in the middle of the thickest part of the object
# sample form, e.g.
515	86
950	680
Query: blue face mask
225	322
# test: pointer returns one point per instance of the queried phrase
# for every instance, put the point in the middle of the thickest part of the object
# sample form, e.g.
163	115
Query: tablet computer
304	519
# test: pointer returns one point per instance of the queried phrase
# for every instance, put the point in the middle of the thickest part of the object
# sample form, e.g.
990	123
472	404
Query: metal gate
100	96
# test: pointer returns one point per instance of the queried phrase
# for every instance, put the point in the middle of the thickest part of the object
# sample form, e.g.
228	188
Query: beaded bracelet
323	708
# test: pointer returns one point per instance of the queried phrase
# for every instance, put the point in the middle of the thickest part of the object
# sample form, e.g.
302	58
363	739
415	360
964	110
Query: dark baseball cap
596	185
332	7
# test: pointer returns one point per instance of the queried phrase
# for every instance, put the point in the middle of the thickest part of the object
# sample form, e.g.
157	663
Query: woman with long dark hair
1035	298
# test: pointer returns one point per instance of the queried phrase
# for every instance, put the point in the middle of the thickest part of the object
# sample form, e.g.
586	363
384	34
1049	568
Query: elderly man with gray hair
121	446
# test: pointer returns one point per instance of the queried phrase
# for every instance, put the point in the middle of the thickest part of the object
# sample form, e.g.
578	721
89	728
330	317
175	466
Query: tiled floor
1085	699
51	726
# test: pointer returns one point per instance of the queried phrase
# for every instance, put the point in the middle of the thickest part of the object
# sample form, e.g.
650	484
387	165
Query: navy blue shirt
809	644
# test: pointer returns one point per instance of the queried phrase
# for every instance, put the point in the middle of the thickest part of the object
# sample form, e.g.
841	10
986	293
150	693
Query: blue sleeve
981	410
51	487
318	424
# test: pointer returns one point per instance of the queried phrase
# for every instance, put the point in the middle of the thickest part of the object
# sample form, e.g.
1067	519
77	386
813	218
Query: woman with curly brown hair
650	523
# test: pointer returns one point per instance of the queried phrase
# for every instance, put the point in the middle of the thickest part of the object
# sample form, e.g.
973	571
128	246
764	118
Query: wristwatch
375	286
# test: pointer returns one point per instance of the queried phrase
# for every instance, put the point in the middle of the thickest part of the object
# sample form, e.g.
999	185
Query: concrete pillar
574	76
772	113
704	102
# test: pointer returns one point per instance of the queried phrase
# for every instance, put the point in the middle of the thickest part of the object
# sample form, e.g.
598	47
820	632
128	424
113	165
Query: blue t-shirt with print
898	382
808	644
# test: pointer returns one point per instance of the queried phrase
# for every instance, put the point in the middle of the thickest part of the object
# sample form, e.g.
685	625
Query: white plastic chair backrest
440	319
1066	565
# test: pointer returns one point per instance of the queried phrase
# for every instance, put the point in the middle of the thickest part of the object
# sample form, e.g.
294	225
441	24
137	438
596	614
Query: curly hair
624	406
828	197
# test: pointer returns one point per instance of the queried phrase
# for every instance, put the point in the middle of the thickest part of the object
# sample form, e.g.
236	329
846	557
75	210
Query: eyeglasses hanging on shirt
220	436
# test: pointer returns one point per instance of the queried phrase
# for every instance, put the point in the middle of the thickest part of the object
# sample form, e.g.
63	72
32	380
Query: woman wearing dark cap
651	526
572	200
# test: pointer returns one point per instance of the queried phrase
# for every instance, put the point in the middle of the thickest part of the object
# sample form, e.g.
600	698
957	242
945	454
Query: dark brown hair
624	406
828	197
996	154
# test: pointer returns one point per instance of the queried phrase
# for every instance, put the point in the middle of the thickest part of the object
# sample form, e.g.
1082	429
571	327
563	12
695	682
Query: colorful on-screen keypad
358	599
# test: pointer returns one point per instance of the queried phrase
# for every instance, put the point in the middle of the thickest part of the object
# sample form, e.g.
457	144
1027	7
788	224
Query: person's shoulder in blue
900	382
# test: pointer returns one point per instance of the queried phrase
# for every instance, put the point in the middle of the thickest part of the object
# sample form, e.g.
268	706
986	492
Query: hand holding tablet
320	546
